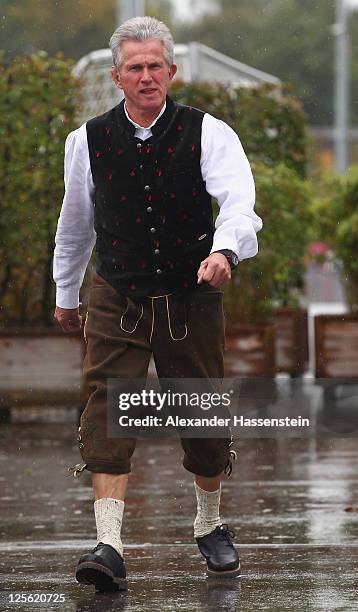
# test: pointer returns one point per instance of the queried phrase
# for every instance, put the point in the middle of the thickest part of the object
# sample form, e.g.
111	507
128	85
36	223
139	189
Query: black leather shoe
104	568
221	557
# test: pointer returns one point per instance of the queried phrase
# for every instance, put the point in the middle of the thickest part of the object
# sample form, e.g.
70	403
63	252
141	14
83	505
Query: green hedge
335	210
268	119
37	109
275	276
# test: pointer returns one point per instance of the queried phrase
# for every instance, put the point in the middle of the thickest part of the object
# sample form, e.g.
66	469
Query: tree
292	39
75	28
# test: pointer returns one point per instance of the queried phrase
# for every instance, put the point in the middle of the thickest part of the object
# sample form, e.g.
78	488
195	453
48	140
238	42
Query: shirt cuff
67	297
250	249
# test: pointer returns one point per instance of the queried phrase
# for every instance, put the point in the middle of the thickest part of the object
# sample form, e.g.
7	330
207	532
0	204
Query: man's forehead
139	51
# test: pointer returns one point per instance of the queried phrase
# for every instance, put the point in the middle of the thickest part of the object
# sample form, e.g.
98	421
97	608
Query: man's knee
101	453
207	457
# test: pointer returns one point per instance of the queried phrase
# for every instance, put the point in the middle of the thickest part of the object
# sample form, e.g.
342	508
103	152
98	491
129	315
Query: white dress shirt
225	170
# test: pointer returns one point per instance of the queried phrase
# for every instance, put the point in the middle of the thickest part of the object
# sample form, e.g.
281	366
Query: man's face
144	75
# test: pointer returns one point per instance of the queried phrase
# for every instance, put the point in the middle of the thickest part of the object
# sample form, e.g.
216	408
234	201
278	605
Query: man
139	181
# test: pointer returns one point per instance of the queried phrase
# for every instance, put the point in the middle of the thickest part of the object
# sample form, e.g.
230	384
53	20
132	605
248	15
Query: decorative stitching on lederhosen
131	312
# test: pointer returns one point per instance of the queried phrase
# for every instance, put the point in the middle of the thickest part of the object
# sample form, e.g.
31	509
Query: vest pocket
200	243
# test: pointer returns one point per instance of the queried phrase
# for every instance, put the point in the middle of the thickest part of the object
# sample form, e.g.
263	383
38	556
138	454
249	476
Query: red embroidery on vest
170	150
114	242
132	173
123	198
120	151
108	131
109	176
98	154
193	147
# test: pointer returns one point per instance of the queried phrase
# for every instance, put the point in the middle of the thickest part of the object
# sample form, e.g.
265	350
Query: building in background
191	10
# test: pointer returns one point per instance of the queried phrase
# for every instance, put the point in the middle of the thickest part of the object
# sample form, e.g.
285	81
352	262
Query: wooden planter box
40	367
336	346
250	351
250	355
291	340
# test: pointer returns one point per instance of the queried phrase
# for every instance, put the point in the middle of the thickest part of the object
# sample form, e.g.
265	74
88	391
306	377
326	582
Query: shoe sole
224	574
101	577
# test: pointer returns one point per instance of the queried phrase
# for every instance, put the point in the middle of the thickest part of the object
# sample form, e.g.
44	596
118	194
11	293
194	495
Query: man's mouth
148	91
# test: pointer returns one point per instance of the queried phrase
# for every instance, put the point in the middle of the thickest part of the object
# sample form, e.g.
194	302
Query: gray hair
141	28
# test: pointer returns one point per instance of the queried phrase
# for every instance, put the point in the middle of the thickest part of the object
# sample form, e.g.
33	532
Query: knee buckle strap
229	465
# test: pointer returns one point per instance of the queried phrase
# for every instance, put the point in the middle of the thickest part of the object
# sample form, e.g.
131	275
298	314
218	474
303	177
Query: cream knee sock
109	515
207	518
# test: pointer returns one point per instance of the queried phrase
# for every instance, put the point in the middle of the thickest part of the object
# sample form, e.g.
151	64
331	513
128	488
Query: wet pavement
293	504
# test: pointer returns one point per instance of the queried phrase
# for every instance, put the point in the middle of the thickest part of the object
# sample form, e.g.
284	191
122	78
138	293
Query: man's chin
152	102
153	99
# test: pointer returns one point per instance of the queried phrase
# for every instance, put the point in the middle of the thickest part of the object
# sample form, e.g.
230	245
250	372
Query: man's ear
116	77
172	70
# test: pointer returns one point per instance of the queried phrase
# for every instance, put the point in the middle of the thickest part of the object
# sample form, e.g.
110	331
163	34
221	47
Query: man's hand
69	318
215	270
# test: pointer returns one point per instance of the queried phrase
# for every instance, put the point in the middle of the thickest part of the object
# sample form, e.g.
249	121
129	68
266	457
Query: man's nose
146	76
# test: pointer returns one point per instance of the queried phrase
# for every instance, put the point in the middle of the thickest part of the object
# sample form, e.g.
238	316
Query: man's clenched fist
69	318
215	270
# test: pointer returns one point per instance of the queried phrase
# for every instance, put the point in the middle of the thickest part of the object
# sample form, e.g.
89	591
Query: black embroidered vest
152	213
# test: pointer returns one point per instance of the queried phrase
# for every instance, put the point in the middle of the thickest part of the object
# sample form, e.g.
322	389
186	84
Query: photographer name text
214	421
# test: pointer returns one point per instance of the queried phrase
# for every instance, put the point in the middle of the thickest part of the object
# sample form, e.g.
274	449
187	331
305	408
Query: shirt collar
149	126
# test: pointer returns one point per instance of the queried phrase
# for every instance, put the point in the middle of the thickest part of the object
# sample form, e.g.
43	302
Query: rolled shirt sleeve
75	235
227	173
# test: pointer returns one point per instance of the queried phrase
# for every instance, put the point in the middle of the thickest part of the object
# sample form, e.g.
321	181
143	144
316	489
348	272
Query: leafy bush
274	276
268	119
37	108
335	210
